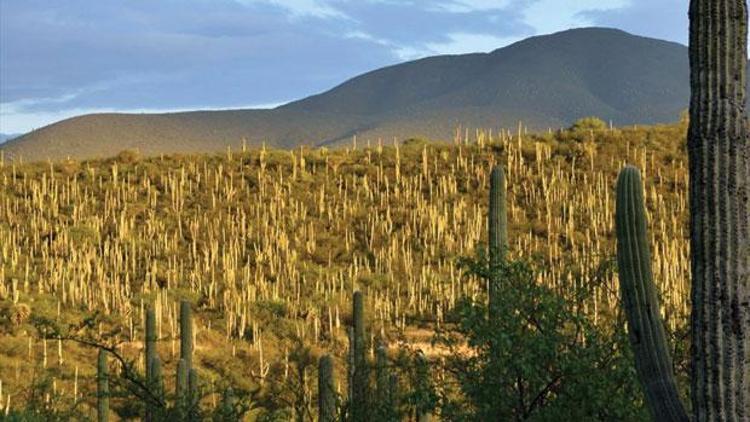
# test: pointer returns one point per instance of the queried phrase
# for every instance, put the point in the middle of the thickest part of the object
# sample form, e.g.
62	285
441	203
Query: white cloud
301	8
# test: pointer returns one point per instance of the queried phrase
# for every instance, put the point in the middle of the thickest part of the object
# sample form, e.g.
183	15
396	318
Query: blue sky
60	58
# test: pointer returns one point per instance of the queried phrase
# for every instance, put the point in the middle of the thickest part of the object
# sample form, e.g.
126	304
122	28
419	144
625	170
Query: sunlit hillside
268	245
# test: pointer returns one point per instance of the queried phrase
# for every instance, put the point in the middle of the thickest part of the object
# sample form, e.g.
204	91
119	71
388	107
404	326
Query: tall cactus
719	161
326	390
498	228
719	156
150	322
360	376
181	388
186	333
102	387
653	362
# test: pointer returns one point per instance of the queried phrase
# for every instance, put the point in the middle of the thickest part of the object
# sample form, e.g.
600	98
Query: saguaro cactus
186	333
326	390
719	161
719	155
102	384
498	228
647	336
360	376
150	341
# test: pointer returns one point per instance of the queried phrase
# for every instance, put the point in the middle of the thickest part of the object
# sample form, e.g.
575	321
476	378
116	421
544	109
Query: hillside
269	244
545	81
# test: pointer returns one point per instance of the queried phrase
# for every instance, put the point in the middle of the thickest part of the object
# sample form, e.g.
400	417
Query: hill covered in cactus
268	245
545	82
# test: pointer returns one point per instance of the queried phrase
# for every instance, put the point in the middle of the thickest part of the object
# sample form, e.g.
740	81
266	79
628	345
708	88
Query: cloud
664	19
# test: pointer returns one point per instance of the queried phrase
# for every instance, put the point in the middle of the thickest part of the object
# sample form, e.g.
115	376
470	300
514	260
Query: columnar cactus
498	227
719	155
326	390
186	333
194	394
181	388
719	161
102	384
360	372
647	337
150	341
385	396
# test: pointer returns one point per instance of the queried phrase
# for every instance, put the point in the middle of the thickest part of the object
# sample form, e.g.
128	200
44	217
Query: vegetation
268	246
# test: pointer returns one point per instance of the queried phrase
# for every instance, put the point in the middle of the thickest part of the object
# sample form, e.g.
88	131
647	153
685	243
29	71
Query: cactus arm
647	337
186	334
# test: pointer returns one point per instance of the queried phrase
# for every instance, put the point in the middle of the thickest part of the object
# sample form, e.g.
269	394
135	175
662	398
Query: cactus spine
647	337
326	390
360	374
498	229
186	334
102	383
719	162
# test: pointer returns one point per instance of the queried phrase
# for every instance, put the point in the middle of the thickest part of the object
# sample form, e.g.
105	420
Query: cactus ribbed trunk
102	385
186	334
326	390
646	330
719	155
360	371
150	341
498	229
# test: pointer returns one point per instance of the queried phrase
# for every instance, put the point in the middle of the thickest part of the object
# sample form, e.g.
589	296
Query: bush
541	358
589	123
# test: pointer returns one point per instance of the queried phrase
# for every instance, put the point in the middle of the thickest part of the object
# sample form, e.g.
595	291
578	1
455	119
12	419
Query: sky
64	58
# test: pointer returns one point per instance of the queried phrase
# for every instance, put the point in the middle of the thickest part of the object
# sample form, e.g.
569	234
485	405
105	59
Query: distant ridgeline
545	82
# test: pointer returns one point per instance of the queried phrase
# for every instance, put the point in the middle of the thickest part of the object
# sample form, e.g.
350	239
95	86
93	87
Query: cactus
193	395
150	341
719	194
102	383
181	389
155	407
360	376
186	334
719	161
385	396
498	229
326	390
647	337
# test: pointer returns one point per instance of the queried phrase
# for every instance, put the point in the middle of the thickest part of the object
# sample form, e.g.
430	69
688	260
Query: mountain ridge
546	81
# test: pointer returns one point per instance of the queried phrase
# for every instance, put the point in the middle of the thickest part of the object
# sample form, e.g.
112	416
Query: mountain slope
545	81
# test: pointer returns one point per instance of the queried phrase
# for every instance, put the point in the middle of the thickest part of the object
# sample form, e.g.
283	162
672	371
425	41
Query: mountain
545	81
7	136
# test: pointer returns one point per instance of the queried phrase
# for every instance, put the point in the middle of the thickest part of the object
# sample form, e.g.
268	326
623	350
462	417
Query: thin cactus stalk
186	333
498	228
150	341
194	394
102	383
360	370
181	388
384	397
326	390
719	162
156	410
647	337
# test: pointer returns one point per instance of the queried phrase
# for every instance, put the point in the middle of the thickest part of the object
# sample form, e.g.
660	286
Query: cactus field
267	245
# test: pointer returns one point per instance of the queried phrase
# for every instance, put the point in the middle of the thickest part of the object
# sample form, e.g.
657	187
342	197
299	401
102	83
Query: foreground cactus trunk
102	385
326	390
647	337
719	155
